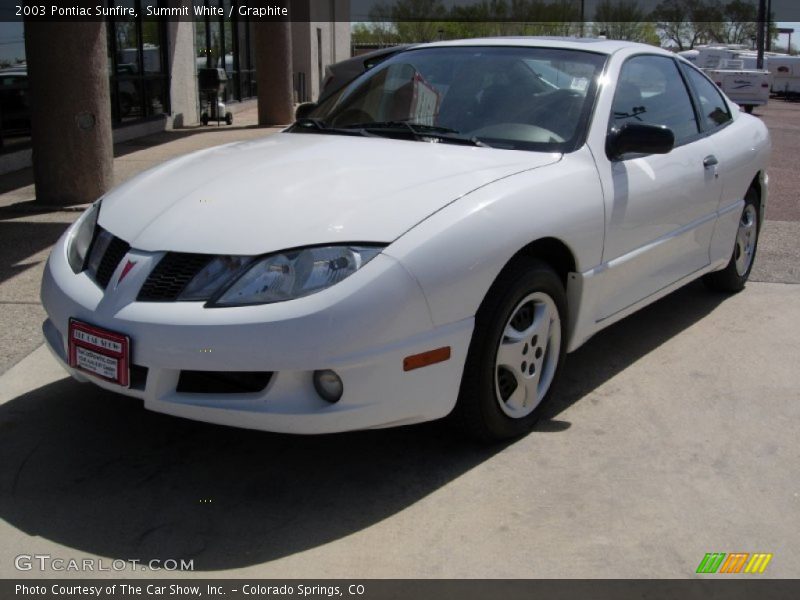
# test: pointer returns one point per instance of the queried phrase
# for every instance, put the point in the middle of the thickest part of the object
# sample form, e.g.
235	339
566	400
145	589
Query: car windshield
506	97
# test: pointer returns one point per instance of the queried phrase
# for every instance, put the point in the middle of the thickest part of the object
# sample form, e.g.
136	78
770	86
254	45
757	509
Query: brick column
73	157
273	50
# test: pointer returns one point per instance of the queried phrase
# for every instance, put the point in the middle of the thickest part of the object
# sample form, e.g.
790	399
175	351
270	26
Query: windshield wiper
420	131
313	124
310	122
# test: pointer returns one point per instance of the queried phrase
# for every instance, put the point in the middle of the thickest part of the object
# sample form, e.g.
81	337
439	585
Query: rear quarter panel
743	149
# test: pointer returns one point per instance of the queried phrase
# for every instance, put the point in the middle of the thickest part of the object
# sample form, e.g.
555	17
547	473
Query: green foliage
680	23
410	21
624	20
687	23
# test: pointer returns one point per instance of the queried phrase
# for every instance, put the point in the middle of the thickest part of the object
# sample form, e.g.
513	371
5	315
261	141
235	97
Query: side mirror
639	138
305	109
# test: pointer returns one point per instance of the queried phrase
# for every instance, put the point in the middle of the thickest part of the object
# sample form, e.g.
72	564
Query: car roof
357	61
602	46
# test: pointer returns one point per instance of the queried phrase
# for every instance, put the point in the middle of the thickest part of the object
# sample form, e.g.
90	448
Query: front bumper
362	328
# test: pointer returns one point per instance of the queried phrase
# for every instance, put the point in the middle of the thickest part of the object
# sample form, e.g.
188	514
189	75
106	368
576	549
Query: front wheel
734	276
748	108
516	354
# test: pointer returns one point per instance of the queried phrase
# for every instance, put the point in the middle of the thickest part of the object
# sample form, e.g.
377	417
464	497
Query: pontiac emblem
125	270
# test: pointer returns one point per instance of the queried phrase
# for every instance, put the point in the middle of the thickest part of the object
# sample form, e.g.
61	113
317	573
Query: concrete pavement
673	435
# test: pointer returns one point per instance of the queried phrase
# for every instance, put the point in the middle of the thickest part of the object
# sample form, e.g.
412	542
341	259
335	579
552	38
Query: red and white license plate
99	352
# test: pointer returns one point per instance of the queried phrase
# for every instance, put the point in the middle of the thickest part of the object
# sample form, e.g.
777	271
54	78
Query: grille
171	275
115	251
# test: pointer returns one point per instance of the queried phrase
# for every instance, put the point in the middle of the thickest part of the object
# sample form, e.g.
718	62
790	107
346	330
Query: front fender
457	253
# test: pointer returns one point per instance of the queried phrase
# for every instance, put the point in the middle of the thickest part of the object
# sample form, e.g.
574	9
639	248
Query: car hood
289	190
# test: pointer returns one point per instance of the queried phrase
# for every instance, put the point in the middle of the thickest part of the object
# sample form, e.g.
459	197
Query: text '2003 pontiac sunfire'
431	239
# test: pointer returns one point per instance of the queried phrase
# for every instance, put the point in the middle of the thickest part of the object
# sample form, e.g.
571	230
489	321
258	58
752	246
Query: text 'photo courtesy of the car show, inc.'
399	298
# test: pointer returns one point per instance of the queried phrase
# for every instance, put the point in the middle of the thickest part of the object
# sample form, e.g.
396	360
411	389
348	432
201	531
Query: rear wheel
516	353
748	108
734	276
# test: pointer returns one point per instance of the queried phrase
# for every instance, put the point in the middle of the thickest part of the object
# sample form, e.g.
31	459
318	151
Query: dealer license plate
99	352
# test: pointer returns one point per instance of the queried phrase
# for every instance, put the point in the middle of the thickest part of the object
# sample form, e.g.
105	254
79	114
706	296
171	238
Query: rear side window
714	110
651	90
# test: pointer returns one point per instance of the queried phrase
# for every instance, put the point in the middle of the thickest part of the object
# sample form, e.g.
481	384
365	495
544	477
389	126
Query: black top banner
551	11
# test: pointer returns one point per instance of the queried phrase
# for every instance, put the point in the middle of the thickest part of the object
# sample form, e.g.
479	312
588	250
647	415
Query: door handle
710	161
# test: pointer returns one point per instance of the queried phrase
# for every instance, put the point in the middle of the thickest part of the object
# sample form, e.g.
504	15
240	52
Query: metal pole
769	21
762	9
583	23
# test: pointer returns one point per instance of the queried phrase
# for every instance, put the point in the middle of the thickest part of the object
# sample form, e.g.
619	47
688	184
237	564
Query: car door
660	209
734	149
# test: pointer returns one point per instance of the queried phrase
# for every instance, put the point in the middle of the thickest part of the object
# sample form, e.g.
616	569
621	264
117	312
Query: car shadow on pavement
94	472
622	344
20	240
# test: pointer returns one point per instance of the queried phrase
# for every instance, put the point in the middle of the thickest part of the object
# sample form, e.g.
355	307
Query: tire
520	328
748	108
228	118
204	119
733	277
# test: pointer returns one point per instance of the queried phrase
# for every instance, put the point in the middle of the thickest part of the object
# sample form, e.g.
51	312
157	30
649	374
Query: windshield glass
505	97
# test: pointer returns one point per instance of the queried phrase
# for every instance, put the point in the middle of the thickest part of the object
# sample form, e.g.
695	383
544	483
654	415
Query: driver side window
651	90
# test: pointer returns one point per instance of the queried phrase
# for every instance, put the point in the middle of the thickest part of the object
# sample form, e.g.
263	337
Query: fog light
328	385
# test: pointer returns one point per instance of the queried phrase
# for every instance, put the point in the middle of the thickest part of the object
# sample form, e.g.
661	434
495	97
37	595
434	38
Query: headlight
295	274
80	237
213	276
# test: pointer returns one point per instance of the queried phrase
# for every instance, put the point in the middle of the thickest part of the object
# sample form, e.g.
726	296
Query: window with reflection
651	90
713	108
227	44
15	108
137	62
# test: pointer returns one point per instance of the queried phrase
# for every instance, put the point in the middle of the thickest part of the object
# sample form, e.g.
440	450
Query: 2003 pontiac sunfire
433	238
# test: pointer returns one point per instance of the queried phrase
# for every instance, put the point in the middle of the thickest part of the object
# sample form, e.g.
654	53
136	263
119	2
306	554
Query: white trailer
748	88
712	57
784	69
785	72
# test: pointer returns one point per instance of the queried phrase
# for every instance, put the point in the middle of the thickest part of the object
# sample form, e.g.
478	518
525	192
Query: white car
433	240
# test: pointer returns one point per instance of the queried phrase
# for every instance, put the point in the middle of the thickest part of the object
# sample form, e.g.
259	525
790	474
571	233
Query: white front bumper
362	328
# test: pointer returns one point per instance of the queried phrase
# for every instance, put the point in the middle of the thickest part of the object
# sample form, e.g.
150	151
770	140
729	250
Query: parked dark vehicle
15	108
338	75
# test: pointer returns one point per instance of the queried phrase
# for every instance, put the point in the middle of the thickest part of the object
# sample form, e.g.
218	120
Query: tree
415	20
377	33
687	23
738	24
622	20
427	20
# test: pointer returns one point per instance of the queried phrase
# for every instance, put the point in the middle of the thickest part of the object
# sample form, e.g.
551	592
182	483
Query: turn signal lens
431	357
